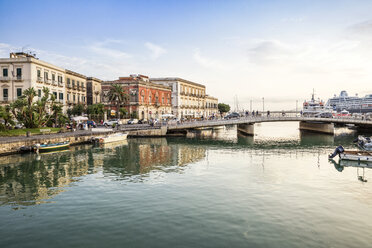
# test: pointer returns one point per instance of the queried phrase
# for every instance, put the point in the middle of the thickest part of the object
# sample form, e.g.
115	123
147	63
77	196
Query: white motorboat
111	138
365	143
362	156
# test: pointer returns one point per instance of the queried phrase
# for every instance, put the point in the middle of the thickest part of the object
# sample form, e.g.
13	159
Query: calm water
276	189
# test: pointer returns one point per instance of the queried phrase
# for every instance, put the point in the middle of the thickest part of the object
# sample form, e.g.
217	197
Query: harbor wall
327	128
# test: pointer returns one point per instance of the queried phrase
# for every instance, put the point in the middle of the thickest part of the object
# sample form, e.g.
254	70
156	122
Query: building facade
75	88
188	98
211	106
93	90
22	70
147	100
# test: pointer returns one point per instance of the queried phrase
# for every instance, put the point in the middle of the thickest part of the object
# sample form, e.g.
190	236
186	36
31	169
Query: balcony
40	80
74	86
18	78
60	84
54	82
4	79
47	81
69	86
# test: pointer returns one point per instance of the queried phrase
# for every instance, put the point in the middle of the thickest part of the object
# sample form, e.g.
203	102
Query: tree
96	110
223	108
118	95
78	109
34	114
6	115
123	111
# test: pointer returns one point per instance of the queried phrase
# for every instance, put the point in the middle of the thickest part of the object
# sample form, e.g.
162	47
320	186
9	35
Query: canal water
214	189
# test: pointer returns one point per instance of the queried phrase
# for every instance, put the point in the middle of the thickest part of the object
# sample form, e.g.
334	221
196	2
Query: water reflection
33	179
360	167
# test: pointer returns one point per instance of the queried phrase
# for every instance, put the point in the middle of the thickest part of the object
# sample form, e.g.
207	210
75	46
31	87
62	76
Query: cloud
101	48
362	28
156	51
209	62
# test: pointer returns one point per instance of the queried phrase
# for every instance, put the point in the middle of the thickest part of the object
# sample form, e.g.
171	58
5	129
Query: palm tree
118	95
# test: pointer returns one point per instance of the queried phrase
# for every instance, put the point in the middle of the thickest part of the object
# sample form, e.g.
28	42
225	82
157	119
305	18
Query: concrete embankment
10	145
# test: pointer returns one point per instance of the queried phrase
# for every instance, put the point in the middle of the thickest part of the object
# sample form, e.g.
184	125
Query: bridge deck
252	120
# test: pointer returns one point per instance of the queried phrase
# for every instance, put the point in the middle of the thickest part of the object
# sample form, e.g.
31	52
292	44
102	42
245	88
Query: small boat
111	138
365	143
364	156
51	147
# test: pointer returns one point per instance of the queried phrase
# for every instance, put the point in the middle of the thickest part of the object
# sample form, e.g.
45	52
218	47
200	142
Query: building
75	88
211	106
93	90
188	98
23	70
147	100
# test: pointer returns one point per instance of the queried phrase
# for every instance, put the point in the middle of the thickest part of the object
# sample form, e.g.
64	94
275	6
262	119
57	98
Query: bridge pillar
246	129
317	127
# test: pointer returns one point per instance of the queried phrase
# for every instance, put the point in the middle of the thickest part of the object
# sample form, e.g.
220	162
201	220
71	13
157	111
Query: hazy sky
279	50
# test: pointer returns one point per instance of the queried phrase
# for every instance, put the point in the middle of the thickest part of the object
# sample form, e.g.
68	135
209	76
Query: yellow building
211	106
93	90
188	98
75	88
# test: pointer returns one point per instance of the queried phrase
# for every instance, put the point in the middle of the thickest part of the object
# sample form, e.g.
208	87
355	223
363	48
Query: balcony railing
18	77
54	82
69	86
60	84
40	80
47	81
4	78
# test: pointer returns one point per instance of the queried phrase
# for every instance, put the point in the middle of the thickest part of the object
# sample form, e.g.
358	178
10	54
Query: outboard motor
337	151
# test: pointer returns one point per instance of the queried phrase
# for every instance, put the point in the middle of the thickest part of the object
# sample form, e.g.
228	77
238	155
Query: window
5	94
55	94
68	81
77	83
73	97
68	97
5	72
60	79
45	75
142	98
38	73
60	96
150	99
19	72
162	100
39	93
53	77
19	92
73	83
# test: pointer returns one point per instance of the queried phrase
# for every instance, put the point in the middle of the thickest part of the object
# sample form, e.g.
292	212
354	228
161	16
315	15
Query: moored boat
364	156
365	143
51	147
111	138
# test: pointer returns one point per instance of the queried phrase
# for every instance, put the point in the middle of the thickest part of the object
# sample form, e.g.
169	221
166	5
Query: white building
21	71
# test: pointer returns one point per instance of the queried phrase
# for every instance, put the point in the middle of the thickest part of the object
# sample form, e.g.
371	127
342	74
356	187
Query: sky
246	50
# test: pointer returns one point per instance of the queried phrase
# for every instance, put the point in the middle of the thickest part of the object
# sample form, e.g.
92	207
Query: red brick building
148	100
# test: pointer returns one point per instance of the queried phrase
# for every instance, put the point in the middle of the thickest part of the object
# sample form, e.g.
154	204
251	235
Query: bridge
246	124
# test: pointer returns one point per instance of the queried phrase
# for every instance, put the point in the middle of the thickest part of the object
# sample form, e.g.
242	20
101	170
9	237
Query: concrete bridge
246	124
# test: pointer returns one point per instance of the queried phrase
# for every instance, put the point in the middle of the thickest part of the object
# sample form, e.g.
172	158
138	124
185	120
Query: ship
352	104
316	108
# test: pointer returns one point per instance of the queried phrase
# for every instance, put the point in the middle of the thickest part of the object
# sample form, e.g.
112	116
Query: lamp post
263	104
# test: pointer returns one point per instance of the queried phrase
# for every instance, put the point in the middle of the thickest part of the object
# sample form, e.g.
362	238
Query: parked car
109	123
133	121
233	115
142	121
91	124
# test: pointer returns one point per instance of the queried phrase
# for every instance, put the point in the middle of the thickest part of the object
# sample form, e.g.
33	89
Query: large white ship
353	104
